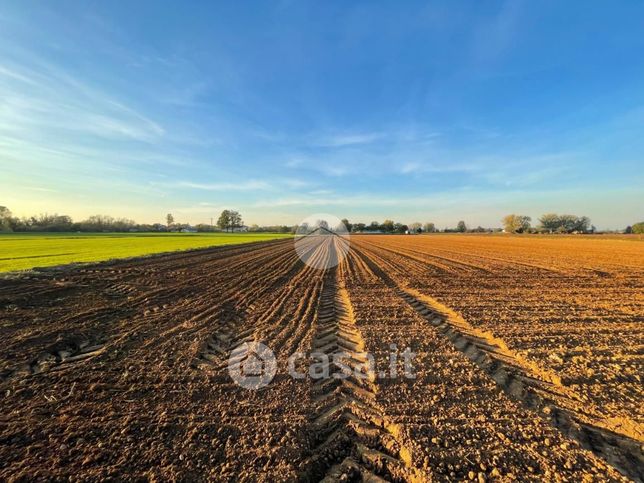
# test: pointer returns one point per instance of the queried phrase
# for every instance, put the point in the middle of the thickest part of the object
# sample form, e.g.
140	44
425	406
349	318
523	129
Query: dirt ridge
619	443
352	438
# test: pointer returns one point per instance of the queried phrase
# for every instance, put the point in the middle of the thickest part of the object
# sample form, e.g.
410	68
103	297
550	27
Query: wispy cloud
345	139
250	185
202	211
8	73
37	95
294	163
295	183
40	189
91	106
344	201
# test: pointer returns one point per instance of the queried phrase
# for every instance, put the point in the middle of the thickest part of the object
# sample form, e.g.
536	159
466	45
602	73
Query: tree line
548	223
63	223
513	223
231	220
554	223
390	226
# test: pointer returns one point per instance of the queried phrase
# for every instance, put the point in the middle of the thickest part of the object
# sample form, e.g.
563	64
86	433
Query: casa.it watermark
253	365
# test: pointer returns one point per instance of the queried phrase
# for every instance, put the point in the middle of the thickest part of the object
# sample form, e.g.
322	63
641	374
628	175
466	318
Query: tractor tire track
236	323
60	356
619	443
352	439
270	326
146	311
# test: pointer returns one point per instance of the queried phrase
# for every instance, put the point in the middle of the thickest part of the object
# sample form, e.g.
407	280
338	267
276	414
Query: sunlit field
25	251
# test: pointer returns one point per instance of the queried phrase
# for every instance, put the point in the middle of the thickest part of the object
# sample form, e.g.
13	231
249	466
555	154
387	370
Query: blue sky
415	111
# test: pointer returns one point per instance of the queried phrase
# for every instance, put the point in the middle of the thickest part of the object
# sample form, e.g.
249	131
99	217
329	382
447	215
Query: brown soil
118	371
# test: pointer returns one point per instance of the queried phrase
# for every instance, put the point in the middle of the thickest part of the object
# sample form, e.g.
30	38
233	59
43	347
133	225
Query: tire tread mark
58	357
353	440
619	444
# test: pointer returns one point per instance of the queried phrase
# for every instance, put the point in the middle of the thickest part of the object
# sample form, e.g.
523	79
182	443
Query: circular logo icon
322	241
252	365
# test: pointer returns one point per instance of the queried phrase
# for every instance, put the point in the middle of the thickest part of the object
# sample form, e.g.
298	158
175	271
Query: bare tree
564	223
429	228
169	219
322	224
549	222
346	224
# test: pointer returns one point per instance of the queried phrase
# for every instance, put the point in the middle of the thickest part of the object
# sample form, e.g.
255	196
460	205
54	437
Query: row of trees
548	223
271	229
64	223
387	226
231	220
95	223
390	226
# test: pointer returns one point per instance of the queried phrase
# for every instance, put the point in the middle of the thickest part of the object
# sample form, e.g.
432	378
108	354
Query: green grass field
22	251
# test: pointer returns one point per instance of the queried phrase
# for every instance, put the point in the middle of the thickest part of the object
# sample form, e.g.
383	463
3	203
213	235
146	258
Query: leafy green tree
224	220
388	226
6	220
229	220
400	228
516	223
235	219
638	228
461	227
169	219
358	227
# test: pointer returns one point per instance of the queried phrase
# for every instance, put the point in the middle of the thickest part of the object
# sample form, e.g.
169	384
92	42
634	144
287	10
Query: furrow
352	438
618	443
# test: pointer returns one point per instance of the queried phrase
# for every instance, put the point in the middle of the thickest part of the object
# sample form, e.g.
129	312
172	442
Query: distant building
242	228
188	229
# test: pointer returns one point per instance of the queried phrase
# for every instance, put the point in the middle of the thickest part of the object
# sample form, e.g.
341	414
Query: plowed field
527	363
